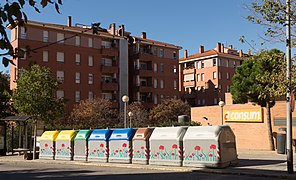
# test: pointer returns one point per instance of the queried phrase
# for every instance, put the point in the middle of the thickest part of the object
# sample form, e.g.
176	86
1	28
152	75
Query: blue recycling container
98	145
120	144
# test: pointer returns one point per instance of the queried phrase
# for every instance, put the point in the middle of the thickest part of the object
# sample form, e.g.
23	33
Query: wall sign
243	115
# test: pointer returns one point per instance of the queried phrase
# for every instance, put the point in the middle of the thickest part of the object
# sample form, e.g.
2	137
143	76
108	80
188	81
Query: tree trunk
268	117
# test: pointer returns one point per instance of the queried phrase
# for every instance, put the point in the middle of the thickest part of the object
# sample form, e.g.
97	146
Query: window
77	77
227	88
45	36
175	55
22	53
161	67
215	62
77	96
155	51
77	59
161	97
90	78
60	57
23	33
189	77
107	96
227	63
45	56
60	76
214	75
77	40
90	42
202	64
220	87
155	83
161	53
220	75
202	77
198	77
60	94
161	84
227	75
90	60
106	44
215	101
175	70
175	84
155	99
155	67
90	95
106	62
60	38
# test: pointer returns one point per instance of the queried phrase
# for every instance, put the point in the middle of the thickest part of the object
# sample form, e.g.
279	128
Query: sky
186	23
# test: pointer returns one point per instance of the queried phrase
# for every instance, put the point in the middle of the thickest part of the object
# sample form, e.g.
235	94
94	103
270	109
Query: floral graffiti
199	155
169	153
63	150
99	151
121	152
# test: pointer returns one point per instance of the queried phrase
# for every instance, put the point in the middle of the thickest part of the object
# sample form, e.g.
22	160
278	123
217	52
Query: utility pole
288	96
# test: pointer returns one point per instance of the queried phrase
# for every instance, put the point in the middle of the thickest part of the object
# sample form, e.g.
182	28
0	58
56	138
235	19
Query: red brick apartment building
205	77
109	64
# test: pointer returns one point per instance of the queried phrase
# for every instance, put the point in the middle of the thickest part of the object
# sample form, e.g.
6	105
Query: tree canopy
168	111
272	15
140	116
35	94
6	108
12	13
95	113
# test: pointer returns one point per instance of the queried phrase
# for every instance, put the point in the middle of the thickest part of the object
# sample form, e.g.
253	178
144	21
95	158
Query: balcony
143	56
109	84
144	71
189	70
189	83
113	51
109	69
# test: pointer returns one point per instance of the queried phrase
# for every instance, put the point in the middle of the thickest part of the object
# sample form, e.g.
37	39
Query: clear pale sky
186	23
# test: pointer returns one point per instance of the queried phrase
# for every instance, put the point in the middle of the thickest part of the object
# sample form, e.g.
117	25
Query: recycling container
166	146
141	146
120	145
48	144
209	146
98	145
65	145
81	145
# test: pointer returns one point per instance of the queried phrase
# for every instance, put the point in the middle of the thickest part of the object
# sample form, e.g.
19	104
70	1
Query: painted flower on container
121	152
198	154
168	153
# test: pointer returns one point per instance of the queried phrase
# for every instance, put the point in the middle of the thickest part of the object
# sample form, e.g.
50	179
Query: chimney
112	28
69	23
230	46
143	36
240	53
218	48
249	52
121	30
222	48
185	54
201	49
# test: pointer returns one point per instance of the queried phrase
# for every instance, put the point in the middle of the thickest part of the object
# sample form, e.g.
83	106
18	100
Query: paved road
38	170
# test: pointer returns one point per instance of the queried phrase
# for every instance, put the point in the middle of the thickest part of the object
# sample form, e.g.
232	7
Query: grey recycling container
65	145
98	145
141	146
209	146
120	145
81	145
48	144
166	146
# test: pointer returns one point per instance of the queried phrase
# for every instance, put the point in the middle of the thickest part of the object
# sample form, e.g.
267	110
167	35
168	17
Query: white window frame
60	38
77	96
90	61
45	36
60	94
214	75
23	33
161	52
61	57
202	76
77	59
220	75
90	78
161	84
175	84
77	77
227	75
155	67
45	56
61	76
90	95
77	40
90	42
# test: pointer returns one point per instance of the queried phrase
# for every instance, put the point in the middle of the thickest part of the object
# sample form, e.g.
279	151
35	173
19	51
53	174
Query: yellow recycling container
65	145
47	144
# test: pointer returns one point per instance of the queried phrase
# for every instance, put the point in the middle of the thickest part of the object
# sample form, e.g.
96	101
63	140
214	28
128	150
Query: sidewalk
251	163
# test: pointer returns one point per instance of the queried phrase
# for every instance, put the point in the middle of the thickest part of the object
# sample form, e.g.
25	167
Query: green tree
95	113
5	95
260	79
271	14
35	94
168	111
12	13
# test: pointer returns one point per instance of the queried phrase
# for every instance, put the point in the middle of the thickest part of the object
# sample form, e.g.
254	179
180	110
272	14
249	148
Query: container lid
100	134
67	135
49	135
203	132
168	132
143	133
83	135
123	134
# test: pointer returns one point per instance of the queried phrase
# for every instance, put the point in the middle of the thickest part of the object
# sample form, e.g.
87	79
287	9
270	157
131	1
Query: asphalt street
40	170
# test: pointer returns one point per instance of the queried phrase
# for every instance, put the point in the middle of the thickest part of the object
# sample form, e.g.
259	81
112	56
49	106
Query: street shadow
258	162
